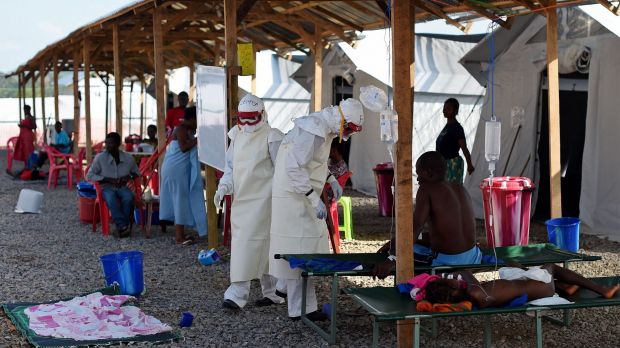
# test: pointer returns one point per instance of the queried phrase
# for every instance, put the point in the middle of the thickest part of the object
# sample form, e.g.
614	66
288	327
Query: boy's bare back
448	209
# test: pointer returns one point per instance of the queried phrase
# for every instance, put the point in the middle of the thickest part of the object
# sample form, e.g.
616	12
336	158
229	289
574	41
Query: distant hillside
8	87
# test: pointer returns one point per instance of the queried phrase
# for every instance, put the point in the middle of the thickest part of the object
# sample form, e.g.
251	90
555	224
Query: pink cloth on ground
92	317
419	283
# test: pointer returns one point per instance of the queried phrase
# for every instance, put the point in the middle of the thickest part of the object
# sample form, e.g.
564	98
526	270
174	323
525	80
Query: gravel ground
53	255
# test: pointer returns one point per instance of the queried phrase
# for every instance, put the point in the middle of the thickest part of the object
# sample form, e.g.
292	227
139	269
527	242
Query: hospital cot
528	255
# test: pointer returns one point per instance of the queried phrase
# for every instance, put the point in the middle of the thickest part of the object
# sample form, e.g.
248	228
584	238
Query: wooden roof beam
207	35
243	9
299	7
324	23
284	40
483	12
338	18
436	10
527	4
608	5
305	36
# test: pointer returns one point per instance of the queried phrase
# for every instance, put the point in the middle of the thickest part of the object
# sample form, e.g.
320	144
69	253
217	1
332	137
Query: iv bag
492	140
388	123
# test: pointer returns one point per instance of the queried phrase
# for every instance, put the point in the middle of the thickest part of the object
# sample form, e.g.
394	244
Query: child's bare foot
571	289
610	291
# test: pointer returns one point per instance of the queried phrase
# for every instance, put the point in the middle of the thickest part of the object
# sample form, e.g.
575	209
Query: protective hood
251	114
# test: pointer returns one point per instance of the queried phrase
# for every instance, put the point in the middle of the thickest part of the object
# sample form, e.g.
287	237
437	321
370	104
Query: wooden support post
19	94
142	98
56	114
160	82
402	67
192	83
118	79
76	102
317	88
230	43
89	144
23	89
34	94
555	178
253	87
42	78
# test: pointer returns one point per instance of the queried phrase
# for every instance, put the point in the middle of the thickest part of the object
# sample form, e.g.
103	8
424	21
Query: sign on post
211	115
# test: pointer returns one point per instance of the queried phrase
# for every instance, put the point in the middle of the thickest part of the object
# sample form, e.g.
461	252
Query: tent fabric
284	98
517	96
438	76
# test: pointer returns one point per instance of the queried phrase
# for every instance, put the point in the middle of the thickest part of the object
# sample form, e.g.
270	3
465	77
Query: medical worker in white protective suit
247	176
298	213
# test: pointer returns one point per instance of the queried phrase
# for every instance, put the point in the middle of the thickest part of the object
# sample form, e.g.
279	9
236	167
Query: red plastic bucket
507	203
384	177
86	209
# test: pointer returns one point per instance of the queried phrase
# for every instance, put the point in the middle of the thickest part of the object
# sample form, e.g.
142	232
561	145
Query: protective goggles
249	118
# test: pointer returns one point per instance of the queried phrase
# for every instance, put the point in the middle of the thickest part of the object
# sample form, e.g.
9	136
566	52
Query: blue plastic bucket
564	233
138	220
124	268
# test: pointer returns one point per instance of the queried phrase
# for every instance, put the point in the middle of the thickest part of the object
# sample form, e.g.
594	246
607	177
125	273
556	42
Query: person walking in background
181	198
174	116
25	142
450	141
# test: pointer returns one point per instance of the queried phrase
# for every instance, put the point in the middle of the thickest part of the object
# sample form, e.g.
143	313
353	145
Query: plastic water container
384	176
564	233
86	209
126	269
507	204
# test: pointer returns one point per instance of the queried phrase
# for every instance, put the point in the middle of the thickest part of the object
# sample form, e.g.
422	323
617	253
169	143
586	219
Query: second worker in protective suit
297	220
248	174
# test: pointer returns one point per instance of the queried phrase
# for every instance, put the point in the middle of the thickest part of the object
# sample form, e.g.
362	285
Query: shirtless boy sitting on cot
448	210
497	293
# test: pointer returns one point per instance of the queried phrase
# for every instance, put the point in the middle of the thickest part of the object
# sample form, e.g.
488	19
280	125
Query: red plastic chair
102	213
333	211
58	162
10	150
76	165
98	147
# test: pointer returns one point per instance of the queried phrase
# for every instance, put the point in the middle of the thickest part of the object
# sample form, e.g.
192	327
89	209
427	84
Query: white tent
438	76
519	77
283	97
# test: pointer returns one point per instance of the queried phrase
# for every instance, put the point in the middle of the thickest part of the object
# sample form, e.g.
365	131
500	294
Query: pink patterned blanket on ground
93	317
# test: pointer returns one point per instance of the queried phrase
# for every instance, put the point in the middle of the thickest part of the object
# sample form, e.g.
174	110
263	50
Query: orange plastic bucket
86	208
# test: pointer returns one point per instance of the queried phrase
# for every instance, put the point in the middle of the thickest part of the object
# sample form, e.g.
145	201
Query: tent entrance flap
573	110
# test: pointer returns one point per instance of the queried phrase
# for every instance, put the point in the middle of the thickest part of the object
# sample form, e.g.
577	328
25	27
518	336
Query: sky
28	26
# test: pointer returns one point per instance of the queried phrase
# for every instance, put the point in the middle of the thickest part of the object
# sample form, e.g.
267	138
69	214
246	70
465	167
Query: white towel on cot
534	273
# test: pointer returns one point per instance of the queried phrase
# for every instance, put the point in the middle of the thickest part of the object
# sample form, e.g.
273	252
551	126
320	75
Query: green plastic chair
347	216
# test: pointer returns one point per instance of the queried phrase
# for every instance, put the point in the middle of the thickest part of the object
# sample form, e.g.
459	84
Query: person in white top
247	176
297	213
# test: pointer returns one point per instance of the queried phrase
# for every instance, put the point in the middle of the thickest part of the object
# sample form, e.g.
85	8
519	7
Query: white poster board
211	115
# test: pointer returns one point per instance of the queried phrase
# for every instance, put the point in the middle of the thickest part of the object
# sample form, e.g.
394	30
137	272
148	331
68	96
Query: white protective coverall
248	175
301	166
